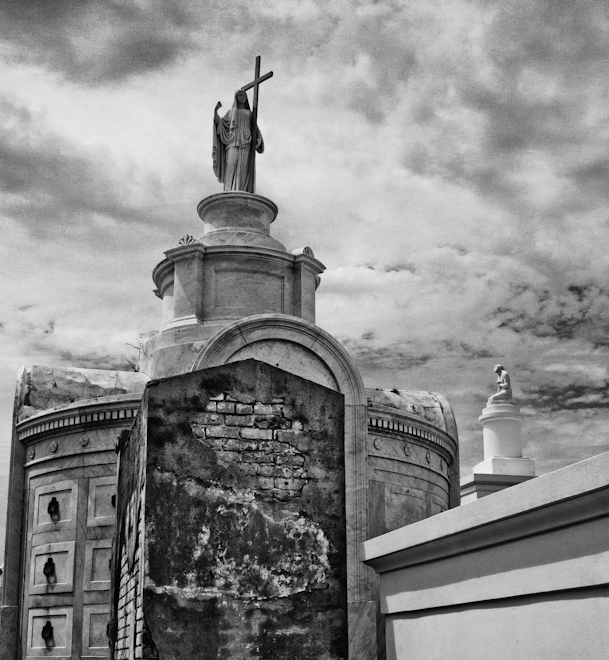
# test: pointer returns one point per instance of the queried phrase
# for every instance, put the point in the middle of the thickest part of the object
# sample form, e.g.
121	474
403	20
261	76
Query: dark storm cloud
398	267
93	360
368	353
97	41
576	312
532	95
394	267
591	179
48	181
33	333
380	40
464	350
550	397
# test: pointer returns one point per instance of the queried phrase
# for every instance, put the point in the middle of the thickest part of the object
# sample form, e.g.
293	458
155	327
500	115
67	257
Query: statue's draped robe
232	147
504	388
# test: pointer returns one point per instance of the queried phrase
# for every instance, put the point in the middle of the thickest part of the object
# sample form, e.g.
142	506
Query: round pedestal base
238	218
502	430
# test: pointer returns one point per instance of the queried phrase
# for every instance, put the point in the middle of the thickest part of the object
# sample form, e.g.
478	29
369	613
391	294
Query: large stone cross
255	84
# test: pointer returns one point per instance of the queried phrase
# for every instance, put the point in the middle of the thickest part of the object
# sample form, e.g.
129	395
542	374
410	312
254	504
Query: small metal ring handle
47	634
53	509
49	569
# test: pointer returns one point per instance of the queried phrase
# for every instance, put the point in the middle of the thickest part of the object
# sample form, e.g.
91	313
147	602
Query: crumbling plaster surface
45	388
244	516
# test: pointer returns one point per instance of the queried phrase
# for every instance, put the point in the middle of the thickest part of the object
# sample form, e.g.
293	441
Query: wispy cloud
98	41
446	160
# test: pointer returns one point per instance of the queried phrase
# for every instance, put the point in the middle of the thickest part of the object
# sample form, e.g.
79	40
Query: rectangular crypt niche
231	538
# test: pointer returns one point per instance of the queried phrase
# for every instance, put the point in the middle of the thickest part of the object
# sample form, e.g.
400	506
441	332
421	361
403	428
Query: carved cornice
393	422
162	275
265	253
105	411
185	251
309	262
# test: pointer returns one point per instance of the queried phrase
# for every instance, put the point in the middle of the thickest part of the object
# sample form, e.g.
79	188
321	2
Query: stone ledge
475	486
113	409
558	499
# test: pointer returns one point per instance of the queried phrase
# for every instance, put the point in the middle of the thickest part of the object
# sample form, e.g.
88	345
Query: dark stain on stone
245	515
185	629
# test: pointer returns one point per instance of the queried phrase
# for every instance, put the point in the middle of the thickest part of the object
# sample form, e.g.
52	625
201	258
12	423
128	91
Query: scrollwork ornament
378	443
306	250
84	441
428	456
31	454
187	239
54	446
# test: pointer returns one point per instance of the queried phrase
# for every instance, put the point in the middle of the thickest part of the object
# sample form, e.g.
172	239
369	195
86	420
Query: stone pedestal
238	218
234	270
502	438
503	463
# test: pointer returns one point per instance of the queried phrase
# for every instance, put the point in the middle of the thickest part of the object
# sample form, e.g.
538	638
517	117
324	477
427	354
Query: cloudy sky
448	161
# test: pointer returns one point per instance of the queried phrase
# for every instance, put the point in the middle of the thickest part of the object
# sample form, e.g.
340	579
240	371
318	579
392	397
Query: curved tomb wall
409	470
69	499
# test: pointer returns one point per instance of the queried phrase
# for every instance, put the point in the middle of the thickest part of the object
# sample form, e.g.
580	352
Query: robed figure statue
233	135
504	386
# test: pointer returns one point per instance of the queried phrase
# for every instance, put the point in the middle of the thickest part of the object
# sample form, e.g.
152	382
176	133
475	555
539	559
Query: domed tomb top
430	406
42	388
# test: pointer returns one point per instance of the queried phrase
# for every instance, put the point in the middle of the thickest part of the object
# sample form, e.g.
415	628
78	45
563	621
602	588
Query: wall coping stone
557	499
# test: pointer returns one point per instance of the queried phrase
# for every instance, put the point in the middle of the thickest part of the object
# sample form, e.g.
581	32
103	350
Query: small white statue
504	388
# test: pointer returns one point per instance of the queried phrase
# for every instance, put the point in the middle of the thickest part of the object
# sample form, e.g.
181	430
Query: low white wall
539	628
523	573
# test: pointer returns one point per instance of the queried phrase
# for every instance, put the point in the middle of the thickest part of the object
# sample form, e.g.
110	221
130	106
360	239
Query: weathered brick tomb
239	523
231	519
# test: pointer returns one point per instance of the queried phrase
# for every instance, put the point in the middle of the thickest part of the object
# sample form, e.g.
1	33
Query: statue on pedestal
234	136
233	139
504	387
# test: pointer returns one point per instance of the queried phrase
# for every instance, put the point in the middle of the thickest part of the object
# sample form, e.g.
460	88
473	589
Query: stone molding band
258	202
284	326
165	268
415	431
73	418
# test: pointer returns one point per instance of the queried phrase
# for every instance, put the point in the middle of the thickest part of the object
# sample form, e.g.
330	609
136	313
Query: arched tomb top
317	356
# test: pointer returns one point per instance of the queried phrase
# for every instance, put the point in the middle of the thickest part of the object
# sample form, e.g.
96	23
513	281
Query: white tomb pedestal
502	438
503	463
